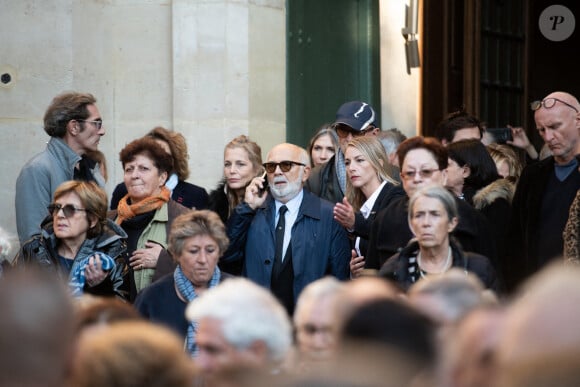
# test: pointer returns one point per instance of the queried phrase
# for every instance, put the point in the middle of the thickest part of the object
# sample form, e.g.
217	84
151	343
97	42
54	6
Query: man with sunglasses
353	119
75	126
287	236
546	189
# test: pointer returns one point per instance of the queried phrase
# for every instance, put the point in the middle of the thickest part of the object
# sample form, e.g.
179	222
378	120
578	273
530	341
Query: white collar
367	207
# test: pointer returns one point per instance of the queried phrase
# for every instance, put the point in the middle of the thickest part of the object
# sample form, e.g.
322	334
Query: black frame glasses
549	103
424	173
68	209
284	165
98	124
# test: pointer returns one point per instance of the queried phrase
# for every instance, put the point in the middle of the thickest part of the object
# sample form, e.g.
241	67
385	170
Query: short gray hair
248	313
439	193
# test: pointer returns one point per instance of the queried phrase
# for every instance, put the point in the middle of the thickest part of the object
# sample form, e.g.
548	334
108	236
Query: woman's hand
146	258
357	264
344	214
252	195
94	273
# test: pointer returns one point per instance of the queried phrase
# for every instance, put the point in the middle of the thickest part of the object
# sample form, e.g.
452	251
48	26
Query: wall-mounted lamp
410	34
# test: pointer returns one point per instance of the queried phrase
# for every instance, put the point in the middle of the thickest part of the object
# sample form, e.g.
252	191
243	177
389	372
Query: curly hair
148	147
177	145
64	108
93	199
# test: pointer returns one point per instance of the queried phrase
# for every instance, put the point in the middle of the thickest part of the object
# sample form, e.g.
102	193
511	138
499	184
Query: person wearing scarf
147	211
196	242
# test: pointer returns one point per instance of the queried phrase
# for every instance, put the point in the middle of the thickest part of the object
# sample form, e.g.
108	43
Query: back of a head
455	121
473	153
36	329
391	138
396	326
131	353
448	297
248	313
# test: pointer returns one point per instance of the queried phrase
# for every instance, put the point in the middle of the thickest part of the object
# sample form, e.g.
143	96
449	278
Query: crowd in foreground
366	268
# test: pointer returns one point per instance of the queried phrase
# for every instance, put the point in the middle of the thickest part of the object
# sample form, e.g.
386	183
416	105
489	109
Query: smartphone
265	187
500	135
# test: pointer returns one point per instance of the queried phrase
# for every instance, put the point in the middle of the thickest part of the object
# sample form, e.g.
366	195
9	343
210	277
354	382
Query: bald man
286	236
545	189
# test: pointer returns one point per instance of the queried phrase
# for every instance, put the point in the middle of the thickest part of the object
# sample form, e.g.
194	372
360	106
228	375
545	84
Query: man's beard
290	190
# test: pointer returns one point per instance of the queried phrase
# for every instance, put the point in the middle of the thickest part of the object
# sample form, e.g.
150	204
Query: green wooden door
333	57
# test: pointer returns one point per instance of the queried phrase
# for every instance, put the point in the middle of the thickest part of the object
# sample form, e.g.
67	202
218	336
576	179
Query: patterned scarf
127	211
187	291
77	278
340	170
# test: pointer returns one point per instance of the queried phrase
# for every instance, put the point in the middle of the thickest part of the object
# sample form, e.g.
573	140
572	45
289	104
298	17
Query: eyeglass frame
54	209
271	166
536	105
98	123
354	133
423	173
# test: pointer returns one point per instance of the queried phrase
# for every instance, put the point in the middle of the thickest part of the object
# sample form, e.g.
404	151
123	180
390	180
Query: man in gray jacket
75	126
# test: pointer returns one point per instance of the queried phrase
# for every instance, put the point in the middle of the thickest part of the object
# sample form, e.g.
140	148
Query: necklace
445	266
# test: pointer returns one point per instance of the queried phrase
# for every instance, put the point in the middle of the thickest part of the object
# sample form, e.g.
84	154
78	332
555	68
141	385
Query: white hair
248	313
321	288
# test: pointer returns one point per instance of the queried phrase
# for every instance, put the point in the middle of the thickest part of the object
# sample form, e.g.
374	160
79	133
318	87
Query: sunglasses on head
285	166
68	209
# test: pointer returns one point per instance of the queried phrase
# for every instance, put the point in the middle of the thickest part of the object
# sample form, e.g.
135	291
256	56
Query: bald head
557	119
286	184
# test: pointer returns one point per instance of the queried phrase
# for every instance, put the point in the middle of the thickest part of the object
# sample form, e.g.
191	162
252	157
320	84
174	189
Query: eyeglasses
285	166
424	173
68	210
549	103
98	124
343	131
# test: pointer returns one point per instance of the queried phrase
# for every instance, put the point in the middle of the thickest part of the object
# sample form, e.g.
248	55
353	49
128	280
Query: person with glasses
546	189
286	236
79	243
353	119
75	126
424	162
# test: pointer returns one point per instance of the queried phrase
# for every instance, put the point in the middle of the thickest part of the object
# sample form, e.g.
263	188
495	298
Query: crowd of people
367	259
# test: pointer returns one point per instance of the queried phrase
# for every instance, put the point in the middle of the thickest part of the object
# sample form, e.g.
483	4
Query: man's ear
306	174
72	127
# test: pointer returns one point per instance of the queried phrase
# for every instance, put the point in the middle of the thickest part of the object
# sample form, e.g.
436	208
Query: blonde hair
503	152
254	155
373	151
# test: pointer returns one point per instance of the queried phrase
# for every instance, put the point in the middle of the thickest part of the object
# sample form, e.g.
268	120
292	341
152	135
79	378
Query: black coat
396	268
390	232
362	226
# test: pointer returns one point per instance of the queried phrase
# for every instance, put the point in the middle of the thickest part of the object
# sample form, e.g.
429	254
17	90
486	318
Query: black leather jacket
41	250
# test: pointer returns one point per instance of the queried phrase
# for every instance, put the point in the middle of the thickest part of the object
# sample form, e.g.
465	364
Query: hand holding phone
500	135
264	185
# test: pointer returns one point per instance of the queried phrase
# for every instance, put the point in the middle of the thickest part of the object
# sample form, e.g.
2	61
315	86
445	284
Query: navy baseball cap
356	114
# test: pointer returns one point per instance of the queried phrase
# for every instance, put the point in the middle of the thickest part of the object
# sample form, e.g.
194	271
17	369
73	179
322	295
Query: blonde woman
369	188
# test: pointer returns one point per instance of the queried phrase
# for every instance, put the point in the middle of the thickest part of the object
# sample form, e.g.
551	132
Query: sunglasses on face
285	166
343	131
549	103
68	209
